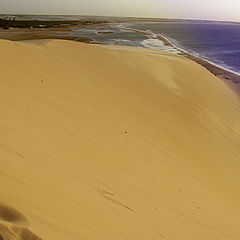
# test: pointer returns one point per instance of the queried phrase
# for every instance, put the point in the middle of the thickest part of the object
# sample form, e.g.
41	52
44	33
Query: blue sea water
216	42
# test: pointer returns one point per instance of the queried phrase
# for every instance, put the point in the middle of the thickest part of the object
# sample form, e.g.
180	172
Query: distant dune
115	143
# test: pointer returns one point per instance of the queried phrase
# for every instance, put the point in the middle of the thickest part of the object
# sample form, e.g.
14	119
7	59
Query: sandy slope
115	143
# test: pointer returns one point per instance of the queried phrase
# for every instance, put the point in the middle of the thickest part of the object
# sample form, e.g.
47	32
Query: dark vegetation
7	22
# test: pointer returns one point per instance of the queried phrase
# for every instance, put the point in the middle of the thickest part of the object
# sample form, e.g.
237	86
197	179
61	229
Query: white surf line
152	35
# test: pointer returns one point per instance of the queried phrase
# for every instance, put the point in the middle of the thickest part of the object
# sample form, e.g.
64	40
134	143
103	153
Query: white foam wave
195	54
157	44
121	40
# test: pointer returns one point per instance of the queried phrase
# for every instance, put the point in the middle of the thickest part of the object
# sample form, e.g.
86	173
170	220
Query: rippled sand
103	142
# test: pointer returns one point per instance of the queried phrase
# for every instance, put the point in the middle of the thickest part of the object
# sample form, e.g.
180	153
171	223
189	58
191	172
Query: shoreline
37	34
230	78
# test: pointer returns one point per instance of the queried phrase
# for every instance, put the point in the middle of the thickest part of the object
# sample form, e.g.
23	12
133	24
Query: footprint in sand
14	225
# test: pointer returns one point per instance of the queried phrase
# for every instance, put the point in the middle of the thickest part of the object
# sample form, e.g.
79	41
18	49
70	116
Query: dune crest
13	225
8	233
11	215
103	142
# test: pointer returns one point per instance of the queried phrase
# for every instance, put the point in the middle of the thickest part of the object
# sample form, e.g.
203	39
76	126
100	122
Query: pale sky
194	9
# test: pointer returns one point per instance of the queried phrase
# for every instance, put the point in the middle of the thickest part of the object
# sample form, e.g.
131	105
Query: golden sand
115	143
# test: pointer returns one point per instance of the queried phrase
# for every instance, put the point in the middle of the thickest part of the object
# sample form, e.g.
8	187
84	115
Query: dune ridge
104	142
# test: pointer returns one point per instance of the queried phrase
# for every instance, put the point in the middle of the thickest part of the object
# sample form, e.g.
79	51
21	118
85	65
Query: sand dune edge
104	142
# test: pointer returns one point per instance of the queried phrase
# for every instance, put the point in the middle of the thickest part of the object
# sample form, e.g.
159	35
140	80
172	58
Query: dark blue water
216	42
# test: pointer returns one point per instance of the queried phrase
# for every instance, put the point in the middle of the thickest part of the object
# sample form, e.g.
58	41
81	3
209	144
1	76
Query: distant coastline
57	28
231	78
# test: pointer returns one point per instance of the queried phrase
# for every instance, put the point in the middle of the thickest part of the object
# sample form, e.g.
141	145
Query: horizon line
142	17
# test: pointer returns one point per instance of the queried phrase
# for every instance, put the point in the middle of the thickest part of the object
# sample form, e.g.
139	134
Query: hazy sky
198	9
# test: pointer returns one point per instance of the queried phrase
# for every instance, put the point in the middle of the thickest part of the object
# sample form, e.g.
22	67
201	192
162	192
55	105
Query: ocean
216	42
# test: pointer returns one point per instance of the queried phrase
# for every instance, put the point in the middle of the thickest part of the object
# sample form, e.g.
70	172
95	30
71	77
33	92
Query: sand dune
101	142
